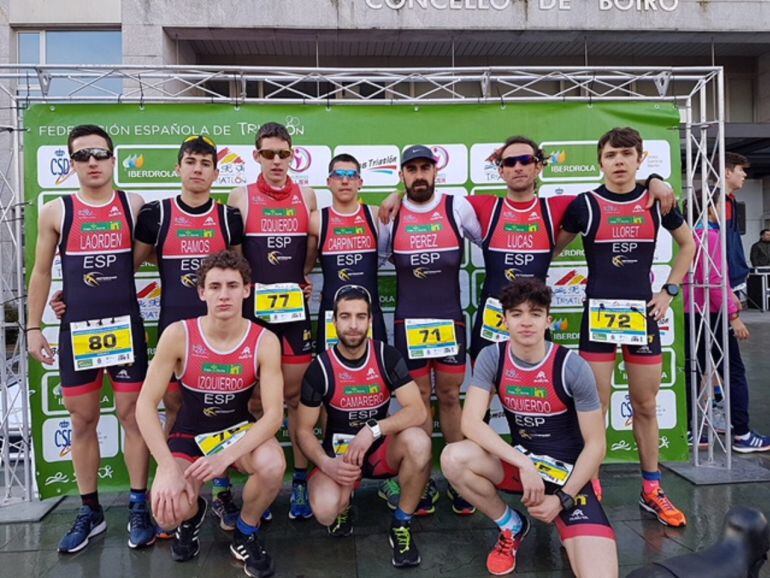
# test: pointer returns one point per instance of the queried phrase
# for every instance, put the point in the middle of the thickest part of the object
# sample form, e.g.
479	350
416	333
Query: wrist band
28	329
734	316
653	176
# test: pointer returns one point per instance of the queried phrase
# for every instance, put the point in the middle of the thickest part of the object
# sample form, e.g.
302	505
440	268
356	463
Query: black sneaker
342	526
186	544
405	551
250	550
460	506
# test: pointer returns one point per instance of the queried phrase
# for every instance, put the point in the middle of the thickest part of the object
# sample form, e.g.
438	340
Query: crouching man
552	406
354	381
217	359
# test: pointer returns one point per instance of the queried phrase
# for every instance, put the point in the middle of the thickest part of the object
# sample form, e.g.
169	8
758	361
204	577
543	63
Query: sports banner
462	138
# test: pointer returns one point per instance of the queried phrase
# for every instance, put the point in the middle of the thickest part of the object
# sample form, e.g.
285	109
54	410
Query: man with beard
426	239
354	381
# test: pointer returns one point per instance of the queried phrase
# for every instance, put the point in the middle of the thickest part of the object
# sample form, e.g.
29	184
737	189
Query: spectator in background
744	439
735	177
760	251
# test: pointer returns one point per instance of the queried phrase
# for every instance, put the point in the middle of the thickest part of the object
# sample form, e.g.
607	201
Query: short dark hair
344	158
497	156
199	146
763	231
625	137
272	130
87	130
526	290
352	293
733	160
224	260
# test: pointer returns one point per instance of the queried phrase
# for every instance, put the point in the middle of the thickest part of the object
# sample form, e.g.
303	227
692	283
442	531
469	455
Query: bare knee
291	400
417	446
84	422
645	408
454	460
270	465
325	507
448	395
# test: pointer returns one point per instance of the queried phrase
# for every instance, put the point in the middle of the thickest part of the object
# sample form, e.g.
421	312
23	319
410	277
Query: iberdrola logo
557	158
133	162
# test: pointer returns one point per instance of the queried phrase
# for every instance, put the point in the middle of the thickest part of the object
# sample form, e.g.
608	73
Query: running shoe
658	504
342	526
88	524
186	544
300	505
141	529
502	559
223	507
460	506
250	550
427	504
390	491
405	552
753	443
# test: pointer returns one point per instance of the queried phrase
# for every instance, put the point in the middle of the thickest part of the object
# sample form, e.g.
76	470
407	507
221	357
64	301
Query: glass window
74	47
29	47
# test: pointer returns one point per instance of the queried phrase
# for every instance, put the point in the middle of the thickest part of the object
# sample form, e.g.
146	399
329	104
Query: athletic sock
246	529
220	485
91	500
650	482
401	517
510	520
300	475
137	496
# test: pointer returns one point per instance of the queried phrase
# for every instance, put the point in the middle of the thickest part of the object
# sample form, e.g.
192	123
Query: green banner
462	138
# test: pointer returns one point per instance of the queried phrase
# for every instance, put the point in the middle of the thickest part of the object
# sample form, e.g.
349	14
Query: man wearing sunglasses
519	230
276	214
101	329
354	381
426	240
345	236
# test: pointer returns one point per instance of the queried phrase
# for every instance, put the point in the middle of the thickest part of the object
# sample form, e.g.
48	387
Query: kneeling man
217	359
552	406
354	382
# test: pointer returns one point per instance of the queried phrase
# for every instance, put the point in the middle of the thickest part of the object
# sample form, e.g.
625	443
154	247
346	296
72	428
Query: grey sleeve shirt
579	381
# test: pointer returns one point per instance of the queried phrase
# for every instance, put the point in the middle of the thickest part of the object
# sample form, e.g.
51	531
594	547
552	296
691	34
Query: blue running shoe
224	508
300	506
88	524
141	530
267	515
752	443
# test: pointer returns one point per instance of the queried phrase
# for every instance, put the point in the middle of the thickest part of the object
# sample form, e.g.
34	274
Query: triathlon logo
441	155
275	258
301	160
232	168
96	278
621	261
189	280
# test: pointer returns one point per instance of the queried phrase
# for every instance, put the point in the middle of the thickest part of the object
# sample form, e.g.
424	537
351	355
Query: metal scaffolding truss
697	91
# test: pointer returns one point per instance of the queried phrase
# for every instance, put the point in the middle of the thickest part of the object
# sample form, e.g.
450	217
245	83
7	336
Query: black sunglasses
83	155
356	290
525	160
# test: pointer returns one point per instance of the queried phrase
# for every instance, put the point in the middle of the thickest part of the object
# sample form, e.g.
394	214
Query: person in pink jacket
744	439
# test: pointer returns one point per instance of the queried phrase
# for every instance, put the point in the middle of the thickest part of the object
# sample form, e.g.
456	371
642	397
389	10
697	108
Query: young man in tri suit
182	231
276	214
550	401
354	381
346	237
218	359
93	232
619	236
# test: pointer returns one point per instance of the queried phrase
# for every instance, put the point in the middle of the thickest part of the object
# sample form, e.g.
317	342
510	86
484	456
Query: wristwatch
567	501
374	425
672	289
